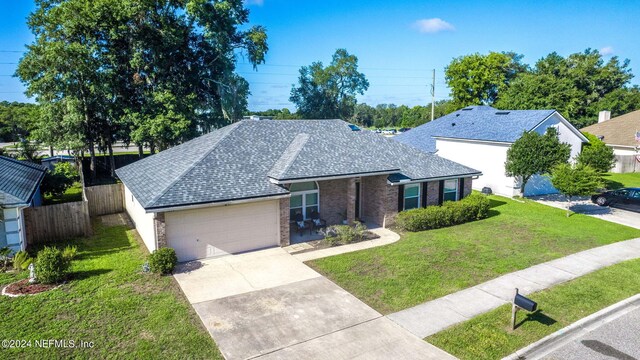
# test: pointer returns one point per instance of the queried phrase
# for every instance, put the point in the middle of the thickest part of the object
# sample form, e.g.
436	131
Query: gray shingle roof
244	160
19	180
477	123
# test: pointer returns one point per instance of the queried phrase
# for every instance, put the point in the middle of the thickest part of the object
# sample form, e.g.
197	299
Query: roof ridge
24	163
289	154
197	161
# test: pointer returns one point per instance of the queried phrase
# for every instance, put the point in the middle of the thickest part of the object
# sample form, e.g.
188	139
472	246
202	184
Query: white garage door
214	231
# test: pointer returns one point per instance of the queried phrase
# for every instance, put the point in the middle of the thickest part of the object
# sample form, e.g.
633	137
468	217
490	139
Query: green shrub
70	252
163	260
63	176
345	234
51	266
21	260
473	207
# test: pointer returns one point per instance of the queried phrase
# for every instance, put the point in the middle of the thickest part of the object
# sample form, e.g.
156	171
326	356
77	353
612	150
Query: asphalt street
618	339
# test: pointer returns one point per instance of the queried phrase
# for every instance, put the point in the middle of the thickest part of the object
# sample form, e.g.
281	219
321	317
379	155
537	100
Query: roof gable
475	123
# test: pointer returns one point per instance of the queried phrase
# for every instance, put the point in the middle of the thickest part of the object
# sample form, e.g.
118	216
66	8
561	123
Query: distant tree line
379	116
578	86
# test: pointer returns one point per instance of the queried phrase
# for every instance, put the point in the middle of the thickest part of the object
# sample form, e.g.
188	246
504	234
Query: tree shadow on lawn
612	184
537	316
85	274
493	203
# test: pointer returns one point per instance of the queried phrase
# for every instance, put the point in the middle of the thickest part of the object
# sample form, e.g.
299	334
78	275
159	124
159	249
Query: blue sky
398	43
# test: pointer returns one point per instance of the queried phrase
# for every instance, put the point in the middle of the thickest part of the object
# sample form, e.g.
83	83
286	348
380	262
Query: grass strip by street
426	265
109	301
489	335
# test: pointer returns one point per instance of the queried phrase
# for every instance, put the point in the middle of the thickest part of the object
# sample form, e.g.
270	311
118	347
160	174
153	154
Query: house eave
448	177
226	202
332	177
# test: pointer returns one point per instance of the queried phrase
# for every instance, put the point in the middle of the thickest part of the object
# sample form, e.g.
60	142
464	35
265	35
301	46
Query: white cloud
254	2
607	50
432	26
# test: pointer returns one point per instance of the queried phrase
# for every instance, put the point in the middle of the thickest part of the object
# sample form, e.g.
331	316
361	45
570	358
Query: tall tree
479	79
148	71
535	154
329	92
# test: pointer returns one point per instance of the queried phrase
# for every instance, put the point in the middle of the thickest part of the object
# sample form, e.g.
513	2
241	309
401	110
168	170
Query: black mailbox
525	303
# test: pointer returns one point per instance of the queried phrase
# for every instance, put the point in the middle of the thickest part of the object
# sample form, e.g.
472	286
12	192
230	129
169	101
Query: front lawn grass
74	193
426	265
616	181
489	335
127	314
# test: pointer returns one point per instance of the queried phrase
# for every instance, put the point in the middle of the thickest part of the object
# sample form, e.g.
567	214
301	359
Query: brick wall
160	229
333	200
391	206
374	198
285	227
351	200
433	192
467	186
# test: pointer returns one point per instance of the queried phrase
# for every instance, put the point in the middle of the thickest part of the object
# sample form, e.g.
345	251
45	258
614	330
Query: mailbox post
521	302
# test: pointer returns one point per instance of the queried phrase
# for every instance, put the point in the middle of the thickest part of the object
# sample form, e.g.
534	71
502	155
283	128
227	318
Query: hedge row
473	207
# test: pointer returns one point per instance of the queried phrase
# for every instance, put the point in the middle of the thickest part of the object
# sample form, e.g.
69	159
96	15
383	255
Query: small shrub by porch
473	207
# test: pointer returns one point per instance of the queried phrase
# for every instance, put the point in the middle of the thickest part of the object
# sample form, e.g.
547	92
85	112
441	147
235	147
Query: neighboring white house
479	137
19	189
622	135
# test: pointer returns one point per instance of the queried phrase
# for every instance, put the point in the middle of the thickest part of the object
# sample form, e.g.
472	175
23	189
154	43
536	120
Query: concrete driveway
585	206
267	304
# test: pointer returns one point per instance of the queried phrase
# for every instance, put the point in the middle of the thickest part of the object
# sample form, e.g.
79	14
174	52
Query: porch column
351	200
161	235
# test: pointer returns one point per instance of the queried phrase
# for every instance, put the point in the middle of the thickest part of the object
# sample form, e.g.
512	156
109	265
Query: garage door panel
215	231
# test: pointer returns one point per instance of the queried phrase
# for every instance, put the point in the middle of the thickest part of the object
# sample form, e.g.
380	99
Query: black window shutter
461	189
400	198
441	193
424	194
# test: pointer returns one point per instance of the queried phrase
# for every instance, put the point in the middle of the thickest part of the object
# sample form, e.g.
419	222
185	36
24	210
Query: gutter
334	177
474	176
215	203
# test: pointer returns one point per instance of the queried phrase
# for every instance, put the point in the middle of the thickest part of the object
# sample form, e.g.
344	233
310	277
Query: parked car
627	198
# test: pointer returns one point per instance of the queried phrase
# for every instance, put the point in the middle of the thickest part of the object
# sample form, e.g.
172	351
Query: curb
553	341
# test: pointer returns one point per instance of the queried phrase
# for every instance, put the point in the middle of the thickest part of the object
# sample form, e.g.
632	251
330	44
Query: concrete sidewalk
434	316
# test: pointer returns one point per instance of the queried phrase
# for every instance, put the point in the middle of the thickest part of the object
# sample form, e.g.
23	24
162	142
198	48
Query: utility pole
433	94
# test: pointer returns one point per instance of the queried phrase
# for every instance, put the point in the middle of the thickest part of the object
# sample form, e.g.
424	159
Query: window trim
456	191
303	206
404	195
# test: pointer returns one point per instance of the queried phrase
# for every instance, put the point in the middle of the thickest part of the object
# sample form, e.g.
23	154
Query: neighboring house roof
19	181
249	159
620	130
475	123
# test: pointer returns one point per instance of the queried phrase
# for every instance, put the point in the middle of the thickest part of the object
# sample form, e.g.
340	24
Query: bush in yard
69	252
473	207
163	260
63	176
345	234
21	260
51	266
596	154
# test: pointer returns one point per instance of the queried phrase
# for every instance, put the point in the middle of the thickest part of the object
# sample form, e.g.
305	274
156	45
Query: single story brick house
237	188
19	189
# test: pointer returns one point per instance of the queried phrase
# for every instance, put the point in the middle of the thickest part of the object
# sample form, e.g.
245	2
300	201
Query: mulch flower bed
23	287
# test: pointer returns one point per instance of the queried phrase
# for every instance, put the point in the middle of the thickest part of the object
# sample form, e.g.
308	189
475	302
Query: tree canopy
575	180
329	92
153	73
596	154
479	79
535	154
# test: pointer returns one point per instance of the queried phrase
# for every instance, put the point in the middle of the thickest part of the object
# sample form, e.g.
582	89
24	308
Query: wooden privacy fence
52	223
105	199
626	164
